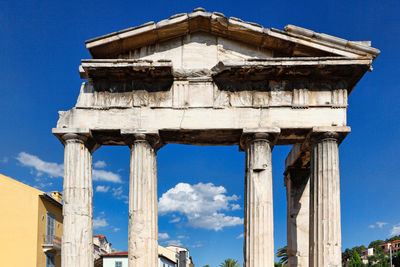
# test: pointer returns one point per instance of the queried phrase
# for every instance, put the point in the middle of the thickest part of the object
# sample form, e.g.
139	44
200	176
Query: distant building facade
365	254
101	246
395	244
171	256
30	225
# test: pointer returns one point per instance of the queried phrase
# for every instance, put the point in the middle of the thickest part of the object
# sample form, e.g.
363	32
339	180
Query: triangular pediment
293	41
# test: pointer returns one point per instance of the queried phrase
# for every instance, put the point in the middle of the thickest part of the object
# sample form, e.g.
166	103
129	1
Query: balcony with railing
51	243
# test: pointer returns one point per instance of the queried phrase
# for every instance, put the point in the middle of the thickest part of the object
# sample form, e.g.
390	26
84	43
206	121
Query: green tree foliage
346	256
229	263
396	259
396	237
375	243
356	260
282	254
277	264
379	259
206	265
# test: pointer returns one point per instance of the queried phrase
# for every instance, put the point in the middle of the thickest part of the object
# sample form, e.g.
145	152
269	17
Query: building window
118	264
50	262
51	226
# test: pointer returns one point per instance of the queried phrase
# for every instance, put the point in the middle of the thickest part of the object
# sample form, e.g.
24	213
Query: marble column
325	228
143	229
77	239
297	183
258	221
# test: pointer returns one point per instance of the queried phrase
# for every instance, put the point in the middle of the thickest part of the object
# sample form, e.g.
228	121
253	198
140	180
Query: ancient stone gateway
205	79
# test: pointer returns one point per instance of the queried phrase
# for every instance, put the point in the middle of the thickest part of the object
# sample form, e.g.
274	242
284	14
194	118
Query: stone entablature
203	79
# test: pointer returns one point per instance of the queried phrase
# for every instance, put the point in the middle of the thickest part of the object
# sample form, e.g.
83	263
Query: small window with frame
50	261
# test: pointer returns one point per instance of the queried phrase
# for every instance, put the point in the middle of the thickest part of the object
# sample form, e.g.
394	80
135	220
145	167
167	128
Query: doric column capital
74	138
76	135
133	136
322	136
251	135
333	133
85	139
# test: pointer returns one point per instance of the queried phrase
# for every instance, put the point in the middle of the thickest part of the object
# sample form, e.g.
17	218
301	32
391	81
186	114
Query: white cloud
395	230
371	226
102	188
99	164
42	185
101	175
57	170
175	220
116	229
201	203
118	193
50	168
99	222
174	243
215	221
181	236
381	224
197	245
235	207
4	160
240	236
163	236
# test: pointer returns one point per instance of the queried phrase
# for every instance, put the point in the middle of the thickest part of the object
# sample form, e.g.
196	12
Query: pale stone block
167	50
221	98
260	99
231	118
241	99
140	98
300	98
280	98
180	94
199	51
201	94
229	49
339	98
162	99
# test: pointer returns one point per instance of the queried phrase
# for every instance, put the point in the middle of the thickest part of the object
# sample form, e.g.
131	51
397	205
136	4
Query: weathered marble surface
77	241
143	226
298	213
259	218
293	41
325	225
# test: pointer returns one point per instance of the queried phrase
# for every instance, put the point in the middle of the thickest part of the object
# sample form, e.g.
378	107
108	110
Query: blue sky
42	42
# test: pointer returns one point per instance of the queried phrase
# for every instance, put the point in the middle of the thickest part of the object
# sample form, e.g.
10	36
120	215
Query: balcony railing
51	242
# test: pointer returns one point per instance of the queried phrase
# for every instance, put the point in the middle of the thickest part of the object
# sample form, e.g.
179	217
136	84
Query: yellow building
30	225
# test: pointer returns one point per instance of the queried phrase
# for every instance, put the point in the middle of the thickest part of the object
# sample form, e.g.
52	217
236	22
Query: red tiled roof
122	253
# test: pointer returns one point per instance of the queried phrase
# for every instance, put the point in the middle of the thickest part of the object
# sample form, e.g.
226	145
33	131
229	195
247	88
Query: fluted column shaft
143	229
258	222
298	212
77	239
325	228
